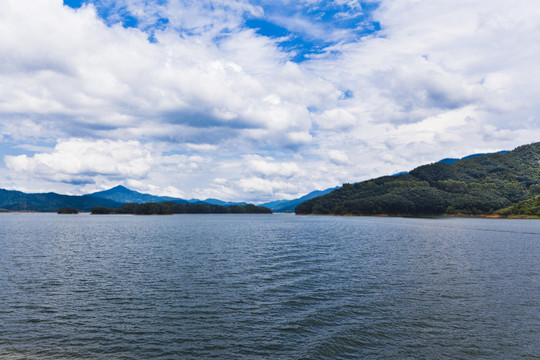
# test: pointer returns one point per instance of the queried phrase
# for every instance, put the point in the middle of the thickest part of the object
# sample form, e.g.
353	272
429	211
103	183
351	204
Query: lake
268	287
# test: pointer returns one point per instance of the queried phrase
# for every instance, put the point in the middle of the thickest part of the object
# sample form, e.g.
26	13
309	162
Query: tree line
169	207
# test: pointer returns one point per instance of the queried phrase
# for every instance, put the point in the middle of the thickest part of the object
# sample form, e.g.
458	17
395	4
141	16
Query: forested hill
478	185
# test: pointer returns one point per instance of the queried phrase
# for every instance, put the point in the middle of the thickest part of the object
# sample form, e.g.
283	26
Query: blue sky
257	100
299	28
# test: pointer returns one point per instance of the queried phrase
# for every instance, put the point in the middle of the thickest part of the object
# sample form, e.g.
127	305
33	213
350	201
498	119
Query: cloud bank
185	99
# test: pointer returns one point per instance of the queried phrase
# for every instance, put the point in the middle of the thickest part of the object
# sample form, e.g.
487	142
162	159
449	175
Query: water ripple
259	287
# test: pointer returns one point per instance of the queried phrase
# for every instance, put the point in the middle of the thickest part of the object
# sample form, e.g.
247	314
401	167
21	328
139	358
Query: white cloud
437	65
336	119
255	164
78	161
110	81
231	117
201	147
338	157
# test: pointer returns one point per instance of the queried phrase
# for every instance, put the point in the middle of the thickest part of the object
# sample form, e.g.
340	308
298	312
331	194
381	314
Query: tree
68	210
101	210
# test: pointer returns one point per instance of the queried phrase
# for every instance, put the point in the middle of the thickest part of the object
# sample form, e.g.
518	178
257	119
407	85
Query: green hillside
529	207
478	185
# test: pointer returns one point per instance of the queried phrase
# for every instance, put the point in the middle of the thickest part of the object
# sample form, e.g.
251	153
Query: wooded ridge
478	185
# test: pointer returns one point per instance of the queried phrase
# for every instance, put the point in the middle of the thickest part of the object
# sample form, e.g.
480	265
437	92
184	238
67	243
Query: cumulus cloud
100	164
78	161
338	157
100	80
436	63
203	106
266	167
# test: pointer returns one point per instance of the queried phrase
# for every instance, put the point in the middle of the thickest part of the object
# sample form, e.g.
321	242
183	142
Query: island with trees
169	208
68	210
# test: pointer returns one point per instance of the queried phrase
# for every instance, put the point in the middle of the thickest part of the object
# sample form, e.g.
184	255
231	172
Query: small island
169	208
68	210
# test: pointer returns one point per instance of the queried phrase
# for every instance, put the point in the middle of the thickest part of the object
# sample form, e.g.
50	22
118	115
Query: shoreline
486	216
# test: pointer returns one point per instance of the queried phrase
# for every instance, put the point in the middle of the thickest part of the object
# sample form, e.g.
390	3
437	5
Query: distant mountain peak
124	195
120	187
289	205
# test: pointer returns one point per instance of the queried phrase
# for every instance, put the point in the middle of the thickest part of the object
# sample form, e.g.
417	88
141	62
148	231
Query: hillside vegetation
529	207
478	185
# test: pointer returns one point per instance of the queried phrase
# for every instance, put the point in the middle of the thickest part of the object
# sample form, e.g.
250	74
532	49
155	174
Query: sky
258	100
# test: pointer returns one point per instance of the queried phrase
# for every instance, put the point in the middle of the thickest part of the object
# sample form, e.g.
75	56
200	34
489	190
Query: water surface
267	286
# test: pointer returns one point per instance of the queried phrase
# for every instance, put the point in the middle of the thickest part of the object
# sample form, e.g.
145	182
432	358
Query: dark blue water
267	287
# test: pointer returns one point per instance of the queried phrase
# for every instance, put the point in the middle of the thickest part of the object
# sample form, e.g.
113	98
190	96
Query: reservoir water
268	287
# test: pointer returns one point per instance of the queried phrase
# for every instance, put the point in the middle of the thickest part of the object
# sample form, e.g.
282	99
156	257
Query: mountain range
123	195
290	205
12	200
478	183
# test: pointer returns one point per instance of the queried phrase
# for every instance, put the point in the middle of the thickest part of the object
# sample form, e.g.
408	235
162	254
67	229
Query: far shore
487	216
